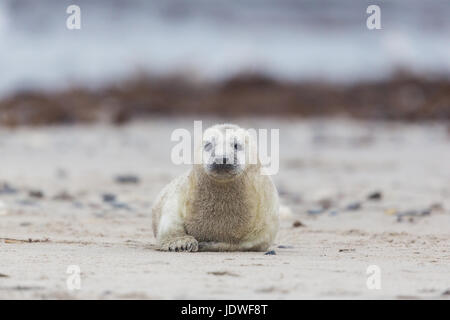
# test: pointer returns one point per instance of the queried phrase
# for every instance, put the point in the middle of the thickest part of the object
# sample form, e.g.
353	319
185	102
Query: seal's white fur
197	212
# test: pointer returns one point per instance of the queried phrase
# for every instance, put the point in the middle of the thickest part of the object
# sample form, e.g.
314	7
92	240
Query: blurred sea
322	40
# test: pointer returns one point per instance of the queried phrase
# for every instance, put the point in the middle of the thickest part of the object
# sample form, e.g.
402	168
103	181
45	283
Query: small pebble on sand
63	196
36	194
297	224
410	214
270	253
120	205
354	206
390	211
285	247
315	211
437	207
377	195
109	197
127	179
5	188
326	203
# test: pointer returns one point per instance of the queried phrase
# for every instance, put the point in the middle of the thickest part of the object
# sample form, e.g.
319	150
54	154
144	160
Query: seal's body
228	206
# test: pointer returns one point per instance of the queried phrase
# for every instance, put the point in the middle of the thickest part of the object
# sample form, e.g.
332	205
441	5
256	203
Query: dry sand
331	163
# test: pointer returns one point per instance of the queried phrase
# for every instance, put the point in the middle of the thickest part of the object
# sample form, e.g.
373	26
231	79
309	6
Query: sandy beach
355	194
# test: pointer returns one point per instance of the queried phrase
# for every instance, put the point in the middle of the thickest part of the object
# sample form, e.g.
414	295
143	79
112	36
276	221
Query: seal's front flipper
184	243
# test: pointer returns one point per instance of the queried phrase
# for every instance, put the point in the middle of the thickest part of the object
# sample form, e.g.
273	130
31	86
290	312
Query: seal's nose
222	160
222	164
222	167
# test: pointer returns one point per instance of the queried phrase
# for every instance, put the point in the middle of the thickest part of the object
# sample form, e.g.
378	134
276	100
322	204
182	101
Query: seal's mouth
223	170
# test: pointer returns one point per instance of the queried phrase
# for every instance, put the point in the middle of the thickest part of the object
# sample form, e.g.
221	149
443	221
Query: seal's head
225	152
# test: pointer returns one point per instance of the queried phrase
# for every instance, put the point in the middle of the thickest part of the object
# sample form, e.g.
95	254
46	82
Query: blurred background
280	58
86	118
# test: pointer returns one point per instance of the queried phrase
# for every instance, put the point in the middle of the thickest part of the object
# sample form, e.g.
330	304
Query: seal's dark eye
208	146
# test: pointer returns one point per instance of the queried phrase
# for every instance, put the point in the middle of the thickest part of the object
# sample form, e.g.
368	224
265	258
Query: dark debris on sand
401	97
297	224
127	179
6	189
376	195
36	194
